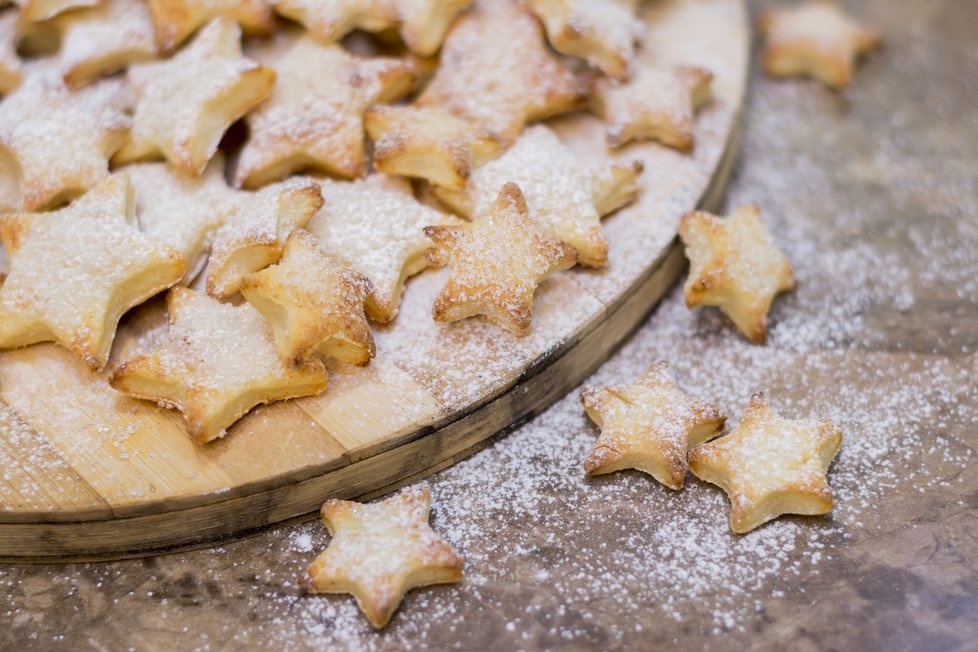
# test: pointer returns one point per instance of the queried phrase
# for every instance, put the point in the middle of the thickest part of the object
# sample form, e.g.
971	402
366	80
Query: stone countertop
872	194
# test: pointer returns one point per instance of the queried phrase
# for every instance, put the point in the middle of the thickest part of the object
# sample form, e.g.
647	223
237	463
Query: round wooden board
89	473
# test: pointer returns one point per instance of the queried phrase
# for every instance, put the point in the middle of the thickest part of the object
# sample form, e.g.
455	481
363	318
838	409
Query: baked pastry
649	425
186	103
36	11
734	265
380	551
814	39
314	116
566	197
770	466
497	263
11	69
313	304
76	271
216	363
175	20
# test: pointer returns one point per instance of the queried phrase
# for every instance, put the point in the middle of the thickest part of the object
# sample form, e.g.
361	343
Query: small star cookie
497	262
424	23
376	226
496	71
380	551
656	104
564	195
36	11
649	425
11	69
254	236
313	303
175	20
770	466
814	39
734	265
218	361
186	103
76	271
314	117
428	143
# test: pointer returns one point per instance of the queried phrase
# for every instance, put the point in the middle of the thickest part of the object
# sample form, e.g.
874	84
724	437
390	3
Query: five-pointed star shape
770	466
313	303
11	70
76	271
314	117
497	72
497	263
734	265
36	11
814	39
376	226
59	141
380	551
566	197
175	20
185	104
217	362
656	104
649	425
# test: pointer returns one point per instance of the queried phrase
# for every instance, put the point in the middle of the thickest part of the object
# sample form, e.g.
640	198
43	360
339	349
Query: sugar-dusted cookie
186	103
428	143
497	72
497	263
376	226
76	271
35	11
564	194
59	141
814	39
424	23
217	362
649	425
104	39
314	117
770	466
734	265
603	32
313	303
380	551
658	103
254	236
11	69
175	20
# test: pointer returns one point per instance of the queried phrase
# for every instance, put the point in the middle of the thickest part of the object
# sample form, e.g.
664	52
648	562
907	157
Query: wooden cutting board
88	472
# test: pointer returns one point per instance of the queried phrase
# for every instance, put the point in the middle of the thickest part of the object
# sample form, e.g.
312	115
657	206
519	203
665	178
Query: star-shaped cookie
11	69
376	226
649	425
734	265
175	20
254	236
313	303
217	362
658	103
186	103
428	143
770	466
36	11
314	117
497	263
424	23
496	71
564	195
76	271
814	39
60	141
380	551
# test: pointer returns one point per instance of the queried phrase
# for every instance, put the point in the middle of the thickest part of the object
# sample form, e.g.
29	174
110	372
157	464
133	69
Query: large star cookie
185	104
59	141
497	72
814	39
76	271
734	265
217	362
11	69
314	117
380	551
649	425
497	263
313	303
567	198
770	466
376	226
175	20
36	11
